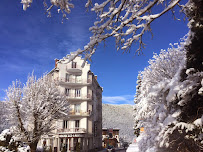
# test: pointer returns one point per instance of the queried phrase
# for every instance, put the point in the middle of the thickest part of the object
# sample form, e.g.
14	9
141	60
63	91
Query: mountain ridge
119	116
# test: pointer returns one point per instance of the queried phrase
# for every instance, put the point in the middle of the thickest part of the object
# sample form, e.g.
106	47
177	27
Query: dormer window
74	64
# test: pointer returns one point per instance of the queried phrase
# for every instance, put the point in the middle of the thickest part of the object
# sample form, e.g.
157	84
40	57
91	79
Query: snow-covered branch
63	5
125	20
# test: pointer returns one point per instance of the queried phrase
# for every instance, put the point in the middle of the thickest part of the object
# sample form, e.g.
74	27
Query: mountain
119	116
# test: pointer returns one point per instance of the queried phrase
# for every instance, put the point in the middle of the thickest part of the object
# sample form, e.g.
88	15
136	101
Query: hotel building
82	129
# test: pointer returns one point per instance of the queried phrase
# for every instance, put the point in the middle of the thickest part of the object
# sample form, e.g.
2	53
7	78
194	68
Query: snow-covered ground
133	148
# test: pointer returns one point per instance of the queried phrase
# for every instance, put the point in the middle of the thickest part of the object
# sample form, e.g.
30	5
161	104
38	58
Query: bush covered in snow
8	141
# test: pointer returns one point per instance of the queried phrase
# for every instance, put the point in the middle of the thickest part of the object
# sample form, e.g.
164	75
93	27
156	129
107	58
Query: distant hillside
119	116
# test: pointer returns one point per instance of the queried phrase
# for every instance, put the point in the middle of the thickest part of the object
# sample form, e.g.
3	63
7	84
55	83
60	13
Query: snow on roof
110	128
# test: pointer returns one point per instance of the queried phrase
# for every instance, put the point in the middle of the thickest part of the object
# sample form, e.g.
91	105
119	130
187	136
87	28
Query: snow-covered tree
163	66
138	87
4	123
151	106
138	92
161	106
34	107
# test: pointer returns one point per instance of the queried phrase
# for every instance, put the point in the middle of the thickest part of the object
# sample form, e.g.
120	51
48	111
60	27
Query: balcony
76	70
71	130
72	96
80	113
74	82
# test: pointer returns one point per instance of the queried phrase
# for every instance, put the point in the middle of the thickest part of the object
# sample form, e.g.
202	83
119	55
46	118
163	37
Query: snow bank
133	148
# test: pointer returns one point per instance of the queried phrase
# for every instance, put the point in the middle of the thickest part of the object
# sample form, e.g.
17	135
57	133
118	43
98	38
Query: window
77	79
77	123
74	64
65	124
89	78
77	108
67	77
110	135
77	92
67	92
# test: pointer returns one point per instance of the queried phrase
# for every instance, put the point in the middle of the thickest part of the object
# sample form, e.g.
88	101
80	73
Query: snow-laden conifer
164	108
151	106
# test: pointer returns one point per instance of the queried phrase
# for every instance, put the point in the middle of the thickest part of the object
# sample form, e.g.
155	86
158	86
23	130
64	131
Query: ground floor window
73	144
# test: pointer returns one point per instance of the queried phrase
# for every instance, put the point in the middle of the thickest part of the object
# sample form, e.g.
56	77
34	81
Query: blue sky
31	41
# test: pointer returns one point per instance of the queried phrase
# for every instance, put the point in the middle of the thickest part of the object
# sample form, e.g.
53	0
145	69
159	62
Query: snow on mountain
119	116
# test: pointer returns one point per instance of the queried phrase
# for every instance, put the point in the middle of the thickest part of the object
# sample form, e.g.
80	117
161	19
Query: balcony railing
77	69
69	66
74	96
72	130
75	81
80	113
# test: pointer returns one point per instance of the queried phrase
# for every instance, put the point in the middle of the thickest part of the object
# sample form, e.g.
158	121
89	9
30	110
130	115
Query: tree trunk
33	146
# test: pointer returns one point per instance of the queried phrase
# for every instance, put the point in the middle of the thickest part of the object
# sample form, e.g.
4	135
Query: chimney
56	60
95	77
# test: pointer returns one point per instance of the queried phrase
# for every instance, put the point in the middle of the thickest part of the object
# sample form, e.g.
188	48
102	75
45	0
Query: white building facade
82	130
